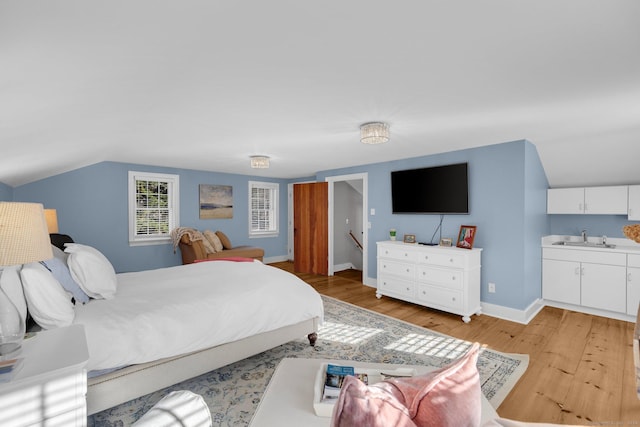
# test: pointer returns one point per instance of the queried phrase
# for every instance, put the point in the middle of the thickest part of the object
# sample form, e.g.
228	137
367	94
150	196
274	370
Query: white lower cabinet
586	278
604	287
633	283
561	281
446	279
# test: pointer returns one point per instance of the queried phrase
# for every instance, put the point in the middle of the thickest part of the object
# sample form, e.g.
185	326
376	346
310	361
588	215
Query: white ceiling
205	84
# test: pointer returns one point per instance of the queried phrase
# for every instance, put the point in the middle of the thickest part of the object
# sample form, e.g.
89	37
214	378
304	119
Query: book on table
334	378
9	368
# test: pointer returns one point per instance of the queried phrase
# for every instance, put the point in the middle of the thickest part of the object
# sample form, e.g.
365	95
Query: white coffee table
288	399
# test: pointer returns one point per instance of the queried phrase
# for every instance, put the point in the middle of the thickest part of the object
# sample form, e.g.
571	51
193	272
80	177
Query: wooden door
310	228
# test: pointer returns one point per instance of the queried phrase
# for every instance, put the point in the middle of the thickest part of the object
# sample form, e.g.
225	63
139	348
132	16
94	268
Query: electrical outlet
492	288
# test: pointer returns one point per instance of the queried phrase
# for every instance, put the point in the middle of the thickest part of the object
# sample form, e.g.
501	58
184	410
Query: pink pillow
449	396
372	406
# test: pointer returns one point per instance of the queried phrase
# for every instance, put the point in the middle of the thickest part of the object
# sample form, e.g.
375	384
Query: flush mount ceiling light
260	162
374	133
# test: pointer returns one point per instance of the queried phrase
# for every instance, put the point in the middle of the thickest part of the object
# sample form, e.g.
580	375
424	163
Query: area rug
349	333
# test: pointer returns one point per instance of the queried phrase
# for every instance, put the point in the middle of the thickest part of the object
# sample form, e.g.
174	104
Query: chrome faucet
584	236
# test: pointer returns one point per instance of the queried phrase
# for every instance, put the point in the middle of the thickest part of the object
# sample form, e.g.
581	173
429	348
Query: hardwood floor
581	368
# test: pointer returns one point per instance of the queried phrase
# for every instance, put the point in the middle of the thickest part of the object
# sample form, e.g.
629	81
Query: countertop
622	245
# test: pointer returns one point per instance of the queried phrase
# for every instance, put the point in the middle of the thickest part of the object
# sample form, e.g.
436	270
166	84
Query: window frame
173	193
274	188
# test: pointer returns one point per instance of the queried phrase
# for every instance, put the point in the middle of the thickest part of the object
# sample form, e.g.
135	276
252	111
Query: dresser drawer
394	285
443	259
441	297
404	270
397	253
453	279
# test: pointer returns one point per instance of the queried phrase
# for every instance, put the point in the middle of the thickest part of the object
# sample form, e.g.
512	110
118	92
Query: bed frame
125	384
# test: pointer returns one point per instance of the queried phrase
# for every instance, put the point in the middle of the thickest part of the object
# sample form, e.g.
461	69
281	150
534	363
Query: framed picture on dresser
466	236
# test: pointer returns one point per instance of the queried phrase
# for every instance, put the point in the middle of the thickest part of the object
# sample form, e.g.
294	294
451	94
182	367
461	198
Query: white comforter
171	311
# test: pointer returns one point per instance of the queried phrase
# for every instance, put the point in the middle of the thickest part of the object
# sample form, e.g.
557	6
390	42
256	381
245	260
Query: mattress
171	311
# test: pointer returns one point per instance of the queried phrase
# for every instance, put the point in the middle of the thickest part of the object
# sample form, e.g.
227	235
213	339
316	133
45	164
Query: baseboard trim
272	259
342	267
514	315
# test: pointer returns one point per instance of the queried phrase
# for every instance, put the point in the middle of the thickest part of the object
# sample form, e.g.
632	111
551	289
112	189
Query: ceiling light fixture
374	133
260	162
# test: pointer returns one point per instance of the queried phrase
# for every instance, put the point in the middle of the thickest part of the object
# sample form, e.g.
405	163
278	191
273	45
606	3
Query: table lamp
24	238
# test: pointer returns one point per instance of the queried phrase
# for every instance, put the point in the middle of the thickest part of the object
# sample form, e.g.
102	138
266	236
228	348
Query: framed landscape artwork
216	201
466	236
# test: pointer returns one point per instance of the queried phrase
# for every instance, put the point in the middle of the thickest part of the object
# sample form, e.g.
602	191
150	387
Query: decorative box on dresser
444	278
50	388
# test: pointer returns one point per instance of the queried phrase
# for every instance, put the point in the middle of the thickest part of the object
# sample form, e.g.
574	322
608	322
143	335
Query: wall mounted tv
432	190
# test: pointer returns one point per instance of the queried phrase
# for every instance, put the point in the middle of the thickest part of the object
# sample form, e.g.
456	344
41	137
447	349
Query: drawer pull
408	288
450	259
453	277
406	254
408	270
628	277
453	298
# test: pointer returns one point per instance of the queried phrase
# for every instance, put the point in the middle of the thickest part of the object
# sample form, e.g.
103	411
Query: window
153	207
263	209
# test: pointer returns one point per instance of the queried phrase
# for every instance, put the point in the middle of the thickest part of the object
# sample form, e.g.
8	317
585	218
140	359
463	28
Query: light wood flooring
580	370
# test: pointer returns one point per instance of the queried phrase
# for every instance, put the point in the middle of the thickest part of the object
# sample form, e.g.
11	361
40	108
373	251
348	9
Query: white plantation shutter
263	209
153	207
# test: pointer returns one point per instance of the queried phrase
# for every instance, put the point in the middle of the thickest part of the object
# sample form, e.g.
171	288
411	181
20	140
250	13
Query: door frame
365	224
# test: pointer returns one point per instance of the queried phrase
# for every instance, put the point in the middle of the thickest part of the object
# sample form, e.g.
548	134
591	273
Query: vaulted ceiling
204	84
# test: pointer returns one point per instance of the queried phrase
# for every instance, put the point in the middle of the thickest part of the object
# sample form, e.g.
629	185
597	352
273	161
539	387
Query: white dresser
50	388
439	277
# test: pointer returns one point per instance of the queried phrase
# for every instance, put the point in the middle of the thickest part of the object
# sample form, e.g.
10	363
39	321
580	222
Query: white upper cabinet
634	202
610	200
565	200
606	200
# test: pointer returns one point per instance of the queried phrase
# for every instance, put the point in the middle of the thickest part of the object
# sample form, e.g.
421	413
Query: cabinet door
634	202
604	287
606	200
561	281
633	290
565	200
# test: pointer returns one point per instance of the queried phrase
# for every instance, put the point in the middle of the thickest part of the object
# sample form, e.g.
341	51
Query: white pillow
91	270
49	304
12	287
59	253
177	409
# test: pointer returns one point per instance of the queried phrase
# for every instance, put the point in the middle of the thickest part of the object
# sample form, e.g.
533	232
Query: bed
150	329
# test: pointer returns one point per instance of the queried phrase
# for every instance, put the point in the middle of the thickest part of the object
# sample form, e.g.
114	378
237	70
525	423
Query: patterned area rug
349	333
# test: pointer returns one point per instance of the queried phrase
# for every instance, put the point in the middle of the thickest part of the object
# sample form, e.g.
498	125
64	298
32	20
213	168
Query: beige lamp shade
52	220
24	236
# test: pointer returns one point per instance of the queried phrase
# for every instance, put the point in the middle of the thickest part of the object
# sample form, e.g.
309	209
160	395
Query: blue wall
6	193
507	201
92	207
596	225
507	197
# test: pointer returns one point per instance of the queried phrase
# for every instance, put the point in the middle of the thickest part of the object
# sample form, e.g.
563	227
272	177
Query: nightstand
51	386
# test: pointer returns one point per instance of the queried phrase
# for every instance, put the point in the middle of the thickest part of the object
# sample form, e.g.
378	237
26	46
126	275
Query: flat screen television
432	190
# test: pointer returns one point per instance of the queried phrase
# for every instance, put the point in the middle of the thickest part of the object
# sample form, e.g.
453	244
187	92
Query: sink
586	244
